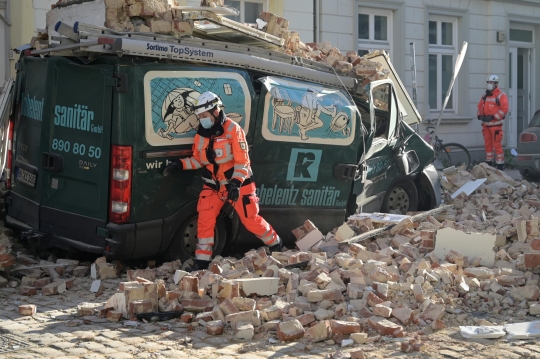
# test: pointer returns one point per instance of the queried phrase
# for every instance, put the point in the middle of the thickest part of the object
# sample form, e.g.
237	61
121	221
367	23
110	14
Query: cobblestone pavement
57	332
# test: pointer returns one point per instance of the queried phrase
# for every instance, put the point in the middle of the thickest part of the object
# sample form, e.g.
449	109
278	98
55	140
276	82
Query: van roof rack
96	39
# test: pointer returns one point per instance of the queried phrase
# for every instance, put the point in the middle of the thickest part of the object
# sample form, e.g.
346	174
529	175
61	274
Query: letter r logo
304	165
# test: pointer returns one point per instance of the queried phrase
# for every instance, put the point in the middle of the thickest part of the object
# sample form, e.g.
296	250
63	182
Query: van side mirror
408	162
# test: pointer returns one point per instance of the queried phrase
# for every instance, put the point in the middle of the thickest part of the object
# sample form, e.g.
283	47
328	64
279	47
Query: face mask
206	122
490	87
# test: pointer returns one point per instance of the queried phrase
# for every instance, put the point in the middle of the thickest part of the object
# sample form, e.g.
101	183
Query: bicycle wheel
454	154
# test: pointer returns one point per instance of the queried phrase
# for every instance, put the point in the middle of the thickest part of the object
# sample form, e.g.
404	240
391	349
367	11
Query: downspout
314	20
316	8
7	38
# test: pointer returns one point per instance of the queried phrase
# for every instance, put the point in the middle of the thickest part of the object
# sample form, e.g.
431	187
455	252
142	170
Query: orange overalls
222	152
495	105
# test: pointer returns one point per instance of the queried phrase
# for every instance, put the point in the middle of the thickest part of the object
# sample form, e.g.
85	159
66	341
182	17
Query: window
442	55
374	30
249	10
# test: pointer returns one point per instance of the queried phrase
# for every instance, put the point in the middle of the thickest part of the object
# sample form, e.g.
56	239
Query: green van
92	135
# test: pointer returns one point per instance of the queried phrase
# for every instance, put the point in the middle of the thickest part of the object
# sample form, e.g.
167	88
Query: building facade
502	37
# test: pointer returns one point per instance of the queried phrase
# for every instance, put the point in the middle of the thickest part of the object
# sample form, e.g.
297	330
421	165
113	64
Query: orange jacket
223	152
495	105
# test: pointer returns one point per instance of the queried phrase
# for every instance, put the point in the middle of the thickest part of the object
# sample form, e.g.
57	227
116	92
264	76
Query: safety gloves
486	118
234	190
172	167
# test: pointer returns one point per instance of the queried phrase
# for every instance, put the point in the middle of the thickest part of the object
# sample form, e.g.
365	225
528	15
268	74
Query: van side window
382	106
363	107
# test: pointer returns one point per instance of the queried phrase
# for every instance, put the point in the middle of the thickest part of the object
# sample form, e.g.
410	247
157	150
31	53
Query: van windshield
535	121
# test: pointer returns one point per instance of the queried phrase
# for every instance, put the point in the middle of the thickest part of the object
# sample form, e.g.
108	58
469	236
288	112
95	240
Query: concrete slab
470	244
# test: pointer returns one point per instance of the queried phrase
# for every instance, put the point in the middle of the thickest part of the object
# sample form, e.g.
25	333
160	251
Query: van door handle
52	162
345	171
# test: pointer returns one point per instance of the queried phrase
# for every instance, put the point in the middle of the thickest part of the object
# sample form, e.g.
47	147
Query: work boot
278	247
198	265
489	163
500	166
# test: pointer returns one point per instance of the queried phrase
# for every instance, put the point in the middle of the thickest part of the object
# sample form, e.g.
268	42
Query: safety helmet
493	78
206	101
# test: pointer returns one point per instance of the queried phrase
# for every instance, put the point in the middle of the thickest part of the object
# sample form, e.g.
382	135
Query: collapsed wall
162	17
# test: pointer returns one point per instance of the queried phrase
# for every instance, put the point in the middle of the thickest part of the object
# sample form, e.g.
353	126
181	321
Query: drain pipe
7	38
316	21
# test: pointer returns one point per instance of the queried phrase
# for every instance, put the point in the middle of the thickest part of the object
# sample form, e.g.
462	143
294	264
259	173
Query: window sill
451	119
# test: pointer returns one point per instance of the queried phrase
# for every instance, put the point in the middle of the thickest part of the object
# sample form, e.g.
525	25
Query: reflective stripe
497	117
501	112
202	241
496	123
231	126
203	256
239	175
196	163
208	180
204	248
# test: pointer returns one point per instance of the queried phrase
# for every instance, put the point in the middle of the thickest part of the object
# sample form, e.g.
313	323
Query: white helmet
493	78
206	101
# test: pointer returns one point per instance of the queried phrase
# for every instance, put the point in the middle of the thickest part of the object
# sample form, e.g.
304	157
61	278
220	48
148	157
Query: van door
303	133
381	169
75	149
31	95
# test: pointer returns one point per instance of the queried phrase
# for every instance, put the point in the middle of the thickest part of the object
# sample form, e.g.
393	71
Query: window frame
371	44
242	7
439	50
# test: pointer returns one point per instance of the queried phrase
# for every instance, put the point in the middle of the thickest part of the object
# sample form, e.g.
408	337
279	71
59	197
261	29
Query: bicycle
448	154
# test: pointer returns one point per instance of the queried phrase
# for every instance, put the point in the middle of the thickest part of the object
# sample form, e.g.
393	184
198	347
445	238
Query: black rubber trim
23	209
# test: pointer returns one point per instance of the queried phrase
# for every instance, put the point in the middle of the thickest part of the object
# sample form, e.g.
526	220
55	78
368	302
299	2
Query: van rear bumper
134	240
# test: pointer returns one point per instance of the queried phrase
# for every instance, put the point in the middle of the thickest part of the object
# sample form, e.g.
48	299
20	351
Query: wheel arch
428	186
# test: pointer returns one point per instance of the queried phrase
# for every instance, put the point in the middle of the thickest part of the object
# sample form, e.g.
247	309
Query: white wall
4	49
40	10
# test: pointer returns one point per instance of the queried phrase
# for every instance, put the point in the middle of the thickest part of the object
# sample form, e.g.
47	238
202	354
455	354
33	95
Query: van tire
401	195
184	241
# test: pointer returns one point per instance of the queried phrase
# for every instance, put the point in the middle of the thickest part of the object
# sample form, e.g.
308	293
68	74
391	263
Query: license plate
26	177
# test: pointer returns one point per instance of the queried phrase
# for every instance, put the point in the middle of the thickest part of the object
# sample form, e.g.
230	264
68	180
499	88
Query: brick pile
161	17
391	285
157	16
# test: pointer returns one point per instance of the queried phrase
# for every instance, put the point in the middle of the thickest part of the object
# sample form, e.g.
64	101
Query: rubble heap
395	284
161	17
157	16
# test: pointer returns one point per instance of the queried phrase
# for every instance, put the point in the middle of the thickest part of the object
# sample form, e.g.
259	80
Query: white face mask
490	87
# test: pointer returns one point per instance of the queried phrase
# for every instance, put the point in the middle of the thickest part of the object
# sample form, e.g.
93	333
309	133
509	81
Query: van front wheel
184	242
402	197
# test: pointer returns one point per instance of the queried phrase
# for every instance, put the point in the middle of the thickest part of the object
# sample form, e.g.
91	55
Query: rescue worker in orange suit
492	109
221	150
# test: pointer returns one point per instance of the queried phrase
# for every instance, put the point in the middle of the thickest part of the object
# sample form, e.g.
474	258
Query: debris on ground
397	284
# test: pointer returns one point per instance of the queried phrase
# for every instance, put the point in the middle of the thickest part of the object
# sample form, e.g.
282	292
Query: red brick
197	305
114	316
289	331
189	284
383	326
532	260
344	328
319	332
228	307
404	314
139	307
187	317
149	274
535	244
359	354
27	309
214	327
373	299
306	319
28	291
